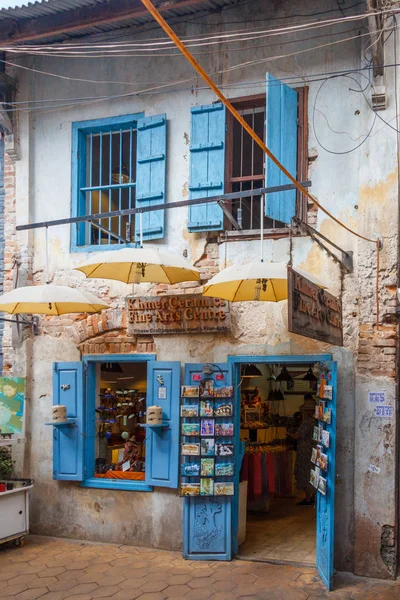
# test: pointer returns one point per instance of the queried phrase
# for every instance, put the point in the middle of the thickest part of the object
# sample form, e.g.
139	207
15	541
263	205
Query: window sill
103	247
254	234
114	484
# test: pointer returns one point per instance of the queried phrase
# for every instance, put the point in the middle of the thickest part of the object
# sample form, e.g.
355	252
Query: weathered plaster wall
359	187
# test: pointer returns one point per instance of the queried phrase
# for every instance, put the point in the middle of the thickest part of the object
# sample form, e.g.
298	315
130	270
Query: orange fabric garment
122	475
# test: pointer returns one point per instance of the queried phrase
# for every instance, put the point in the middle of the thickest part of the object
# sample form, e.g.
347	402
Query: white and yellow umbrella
140	265
50	300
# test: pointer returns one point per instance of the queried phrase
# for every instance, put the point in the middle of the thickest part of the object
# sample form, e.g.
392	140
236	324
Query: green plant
6	465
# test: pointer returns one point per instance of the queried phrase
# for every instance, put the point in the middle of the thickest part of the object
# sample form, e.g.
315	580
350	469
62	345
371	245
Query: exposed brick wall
377	350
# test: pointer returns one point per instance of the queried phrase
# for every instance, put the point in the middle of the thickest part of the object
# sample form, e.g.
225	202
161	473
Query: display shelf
163	425
63	425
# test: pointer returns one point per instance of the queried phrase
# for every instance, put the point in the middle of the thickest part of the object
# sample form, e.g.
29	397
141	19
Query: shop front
226	442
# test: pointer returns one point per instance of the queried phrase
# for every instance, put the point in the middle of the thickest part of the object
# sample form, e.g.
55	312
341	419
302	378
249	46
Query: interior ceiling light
309	376
250	371
284	375
111	368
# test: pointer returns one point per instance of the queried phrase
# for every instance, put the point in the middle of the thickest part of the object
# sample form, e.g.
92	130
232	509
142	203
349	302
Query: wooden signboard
313	312
183	313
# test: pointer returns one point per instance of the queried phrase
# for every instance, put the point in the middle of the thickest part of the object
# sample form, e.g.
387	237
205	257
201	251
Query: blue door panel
281	139
162	443
68	441
326	504
207	530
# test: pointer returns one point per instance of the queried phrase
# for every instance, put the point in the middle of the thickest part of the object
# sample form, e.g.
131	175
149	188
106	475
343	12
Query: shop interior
272	526
120	415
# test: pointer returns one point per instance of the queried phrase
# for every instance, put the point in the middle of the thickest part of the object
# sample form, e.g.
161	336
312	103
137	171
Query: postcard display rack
320	454
207	440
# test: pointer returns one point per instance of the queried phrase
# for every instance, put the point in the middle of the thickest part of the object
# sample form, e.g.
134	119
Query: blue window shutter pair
207	165
162	445
151	175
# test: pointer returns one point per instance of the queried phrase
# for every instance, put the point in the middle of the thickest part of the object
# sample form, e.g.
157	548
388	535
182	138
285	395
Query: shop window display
120	414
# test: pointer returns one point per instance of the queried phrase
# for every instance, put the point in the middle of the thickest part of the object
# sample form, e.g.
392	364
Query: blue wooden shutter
207	165
207	522
326	504
162	443
68	444
150	174
281	139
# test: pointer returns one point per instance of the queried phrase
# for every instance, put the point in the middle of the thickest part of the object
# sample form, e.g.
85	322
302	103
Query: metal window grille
109	182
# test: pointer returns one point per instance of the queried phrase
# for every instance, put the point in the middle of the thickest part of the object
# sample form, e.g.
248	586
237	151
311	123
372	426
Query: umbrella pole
141	229
261	227
47	255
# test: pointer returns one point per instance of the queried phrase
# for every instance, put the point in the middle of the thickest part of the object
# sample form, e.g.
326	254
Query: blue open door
207	521
327	391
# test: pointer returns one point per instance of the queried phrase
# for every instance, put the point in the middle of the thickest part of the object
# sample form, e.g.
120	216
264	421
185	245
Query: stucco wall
359	187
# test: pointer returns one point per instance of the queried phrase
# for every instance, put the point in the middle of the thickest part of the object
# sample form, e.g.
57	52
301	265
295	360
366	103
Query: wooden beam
13	31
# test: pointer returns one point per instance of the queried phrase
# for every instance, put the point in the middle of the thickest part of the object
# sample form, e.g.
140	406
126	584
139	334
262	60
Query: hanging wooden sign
183	313
313	312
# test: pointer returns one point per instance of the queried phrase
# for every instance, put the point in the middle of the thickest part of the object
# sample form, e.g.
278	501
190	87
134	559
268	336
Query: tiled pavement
55	569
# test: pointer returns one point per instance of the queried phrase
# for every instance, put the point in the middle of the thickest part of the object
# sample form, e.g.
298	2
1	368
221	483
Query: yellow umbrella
140	265
50	300
256	281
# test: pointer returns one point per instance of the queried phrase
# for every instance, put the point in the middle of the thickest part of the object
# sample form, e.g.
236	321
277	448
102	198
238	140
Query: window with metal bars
245	162
104	178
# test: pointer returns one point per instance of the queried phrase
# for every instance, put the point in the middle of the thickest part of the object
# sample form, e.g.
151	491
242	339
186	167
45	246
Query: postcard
190	391
190	489
313	478
328	392
321	390
315	434
224	429
320	430
207	467
323	461
190	469
327	415
223	392
225	469
224	449
190	449
322	486
207	447
314	455
189	410
317	471
223	488
190	429
207	426
319	452
316	414
206	408
206	487
325	438
223	409
207	388
321	408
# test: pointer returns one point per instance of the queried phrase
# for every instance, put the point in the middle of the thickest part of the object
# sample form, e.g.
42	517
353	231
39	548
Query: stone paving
55	569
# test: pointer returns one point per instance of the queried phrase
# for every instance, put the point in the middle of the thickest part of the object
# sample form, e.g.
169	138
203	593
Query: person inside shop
304	437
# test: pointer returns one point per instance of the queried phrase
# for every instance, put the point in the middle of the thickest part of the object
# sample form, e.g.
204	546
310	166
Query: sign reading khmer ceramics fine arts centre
313	312
183	313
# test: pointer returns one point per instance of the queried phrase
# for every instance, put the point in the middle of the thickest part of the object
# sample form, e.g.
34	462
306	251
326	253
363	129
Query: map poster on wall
12	403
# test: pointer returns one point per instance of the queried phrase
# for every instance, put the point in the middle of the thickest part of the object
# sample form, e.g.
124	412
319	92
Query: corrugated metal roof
22	10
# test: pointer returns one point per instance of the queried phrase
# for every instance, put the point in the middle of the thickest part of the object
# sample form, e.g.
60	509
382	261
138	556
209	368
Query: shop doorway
277	519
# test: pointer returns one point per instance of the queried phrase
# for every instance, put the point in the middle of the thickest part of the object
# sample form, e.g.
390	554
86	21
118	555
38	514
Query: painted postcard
313	478
189	429
190	449
327	415
224	449
224	429
12	401
223	409
190	489
223	392
189	410
190	391
207	427
314	455
223	488
207	467
190	469
207	447
322	485
328	392
325	438
315	434
323	461
319	452
207	388
207	487
206	408
225	469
